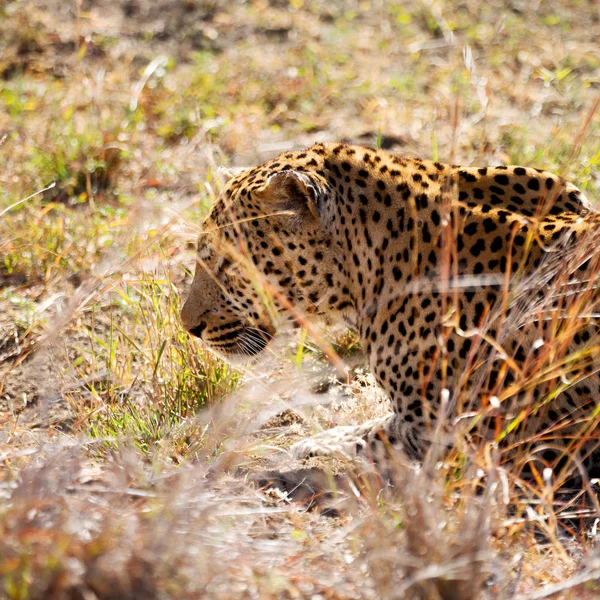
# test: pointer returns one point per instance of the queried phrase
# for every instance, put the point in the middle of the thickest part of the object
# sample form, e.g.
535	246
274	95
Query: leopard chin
240	345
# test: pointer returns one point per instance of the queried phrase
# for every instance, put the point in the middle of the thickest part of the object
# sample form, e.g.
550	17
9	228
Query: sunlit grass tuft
147	374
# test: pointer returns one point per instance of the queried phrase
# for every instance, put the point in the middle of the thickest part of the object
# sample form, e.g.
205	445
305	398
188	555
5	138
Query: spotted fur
440	269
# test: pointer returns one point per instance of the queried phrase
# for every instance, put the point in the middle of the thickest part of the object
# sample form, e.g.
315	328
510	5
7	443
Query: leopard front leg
372	438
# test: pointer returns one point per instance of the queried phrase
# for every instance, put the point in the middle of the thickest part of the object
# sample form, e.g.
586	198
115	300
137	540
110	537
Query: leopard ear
293	192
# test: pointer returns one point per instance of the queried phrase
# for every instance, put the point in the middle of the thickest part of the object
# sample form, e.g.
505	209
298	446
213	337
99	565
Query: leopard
471	289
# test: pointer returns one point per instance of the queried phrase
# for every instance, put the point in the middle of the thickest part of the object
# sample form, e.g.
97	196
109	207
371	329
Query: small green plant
155	375
82	165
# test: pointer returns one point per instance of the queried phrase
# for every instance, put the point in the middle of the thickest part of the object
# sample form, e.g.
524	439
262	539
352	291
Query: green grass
153	381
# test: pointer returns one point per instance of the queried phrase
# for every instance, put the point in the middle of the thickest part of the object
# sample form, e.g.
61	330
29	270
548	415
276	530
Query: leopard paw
344	441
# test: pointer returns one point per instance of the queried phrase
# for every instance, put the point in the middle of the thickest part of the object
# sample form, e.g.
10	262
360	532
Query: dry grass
112	483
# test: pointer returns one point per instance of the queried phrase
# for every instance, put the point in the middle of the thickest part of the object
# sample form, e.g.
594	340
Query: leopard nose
197	331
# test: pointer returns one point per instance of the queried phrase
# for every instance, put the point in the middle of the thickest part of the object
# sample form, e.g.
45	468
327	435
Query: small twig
12	455
100	489
158	63
28	198
568	584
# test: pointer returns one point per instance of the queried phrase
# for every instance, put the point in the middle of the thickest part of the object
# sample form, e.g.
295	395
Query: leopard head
265	250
